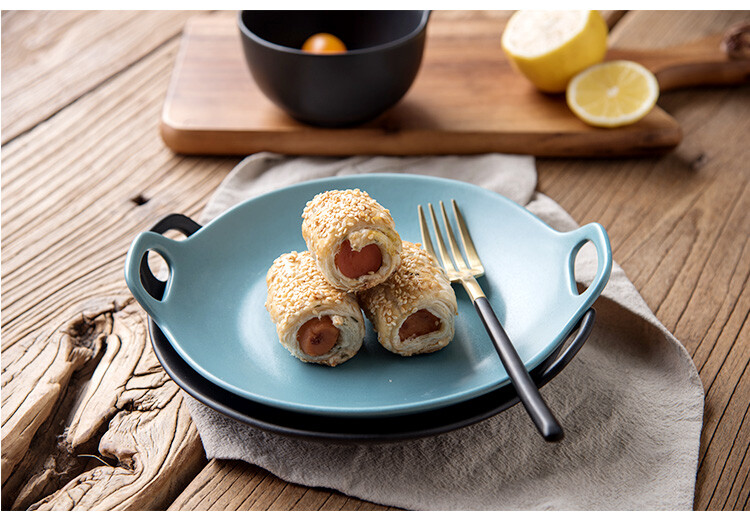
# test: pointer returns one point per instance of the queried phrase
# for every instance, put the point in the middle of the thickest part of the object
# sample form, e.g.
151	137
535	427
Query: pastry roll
352	237
316	322
414	310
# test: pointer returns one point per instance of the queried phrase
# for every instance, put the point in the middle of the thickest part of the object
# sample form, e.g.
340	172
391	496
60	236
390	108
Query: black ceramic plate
344	429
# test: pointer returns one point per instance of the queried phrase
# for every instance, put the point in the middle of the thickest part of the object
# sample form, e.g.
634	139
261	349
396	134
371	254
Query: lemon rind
551	70
625	119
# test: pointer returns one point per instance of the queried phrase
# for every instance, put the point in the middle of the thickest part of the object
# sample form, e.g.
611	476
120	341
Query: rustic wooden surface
213	106
89	419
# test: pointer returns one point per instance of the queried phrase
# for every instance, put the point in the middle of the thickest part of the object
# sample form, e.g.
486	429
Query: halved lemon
550	47
612	94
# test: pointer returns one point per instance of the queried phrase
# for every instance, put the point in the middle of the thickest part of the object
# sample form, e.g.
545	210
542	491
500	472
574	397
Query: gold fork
459	271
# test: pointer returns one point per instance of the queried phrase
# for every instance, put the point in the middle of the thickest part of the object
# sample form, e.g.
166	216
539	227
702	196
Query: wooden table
89	418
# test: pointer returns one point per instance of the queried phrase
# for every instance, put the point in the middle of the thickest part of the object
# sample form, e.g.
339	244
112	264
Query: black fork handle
527	390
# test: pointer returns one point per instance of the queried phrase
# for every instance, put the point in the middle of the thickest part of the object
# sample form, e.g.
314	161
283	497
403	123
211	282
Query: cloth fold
631	402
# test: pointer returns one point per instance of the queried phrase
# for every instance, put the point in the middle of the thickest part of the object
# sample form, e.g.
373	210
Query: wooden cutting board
466	99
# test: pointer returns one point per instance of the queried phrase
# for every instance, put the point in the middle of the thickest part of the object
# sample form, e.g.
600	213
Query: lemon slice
550	47
613	94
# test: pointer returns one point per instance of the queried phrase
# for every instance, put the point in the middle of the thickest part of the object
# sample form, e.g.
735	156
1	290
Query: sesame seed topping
335	216
418	278
294	284
329	216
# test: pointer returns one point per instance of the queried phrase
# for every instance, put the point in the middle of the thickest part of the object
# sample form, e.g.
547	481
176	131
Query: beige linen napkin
631	402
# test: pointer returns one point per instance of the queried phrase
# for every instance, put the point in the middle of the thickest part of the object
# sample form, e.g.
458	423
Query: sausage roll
316	322
352	237
414	310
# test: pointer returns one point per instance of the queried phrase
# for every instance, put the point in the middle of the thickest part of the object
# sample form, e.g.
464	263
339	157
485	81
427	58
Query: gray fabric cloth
631	402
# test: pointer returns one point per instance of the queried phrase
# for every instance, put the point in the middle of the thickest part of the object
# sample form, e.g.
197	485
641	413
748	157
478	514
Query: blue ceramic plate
213	309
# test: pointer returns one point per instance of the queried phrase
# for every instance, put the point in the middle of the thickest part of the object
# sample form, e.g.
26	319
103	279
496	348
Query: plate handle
595	233
149	291
565	350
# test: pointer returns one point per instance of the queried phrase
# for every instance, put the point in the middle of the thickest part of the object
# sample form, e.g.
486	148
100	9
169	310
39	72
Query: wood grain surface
90	420
466	99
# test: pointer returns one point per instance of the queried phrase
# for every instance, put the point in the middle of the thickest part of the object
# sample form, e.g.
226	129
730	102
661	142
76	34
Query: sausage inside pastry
352	237
414	310
316	322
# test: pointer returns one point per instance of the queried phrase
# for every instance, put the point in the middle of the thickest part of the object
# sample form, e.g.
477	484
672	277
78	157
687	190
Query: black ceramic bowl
384	52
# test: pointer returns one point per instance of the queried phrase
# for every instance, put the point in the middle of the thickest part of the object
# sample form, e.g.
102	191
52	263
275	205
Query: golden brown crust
333	217
297	292
329	216
419	283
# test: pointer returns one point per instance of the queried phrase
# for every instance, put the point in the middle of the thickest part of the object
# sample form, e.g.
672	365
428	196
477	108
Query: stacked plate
212	334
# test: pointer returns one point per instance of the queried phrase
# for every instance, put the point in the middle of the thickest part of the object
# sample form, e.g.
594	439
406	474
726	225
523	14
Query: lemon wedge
550	47
612	94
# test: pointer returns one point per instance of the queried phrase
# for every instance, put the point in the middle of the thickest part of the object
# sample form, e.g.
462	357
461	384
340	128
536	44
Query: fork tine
426	241
448	263
471	252
459	259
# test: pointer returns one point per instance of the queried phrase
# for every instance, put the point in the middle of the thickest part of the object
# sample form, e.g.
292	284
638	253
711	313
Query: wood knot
698	162
736	42
87	331
139	200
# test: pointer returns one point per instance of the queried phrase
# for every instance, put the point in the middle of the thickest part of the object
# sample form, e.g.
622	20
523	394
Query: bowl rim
366	50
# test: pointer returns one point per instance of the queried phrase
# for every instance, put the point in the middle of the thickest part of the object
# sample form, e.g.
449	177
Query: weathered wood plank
730	471
127	406
236	485
47	235
679	226
71	191
50	58
312	499
71	182
34	382
726	431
